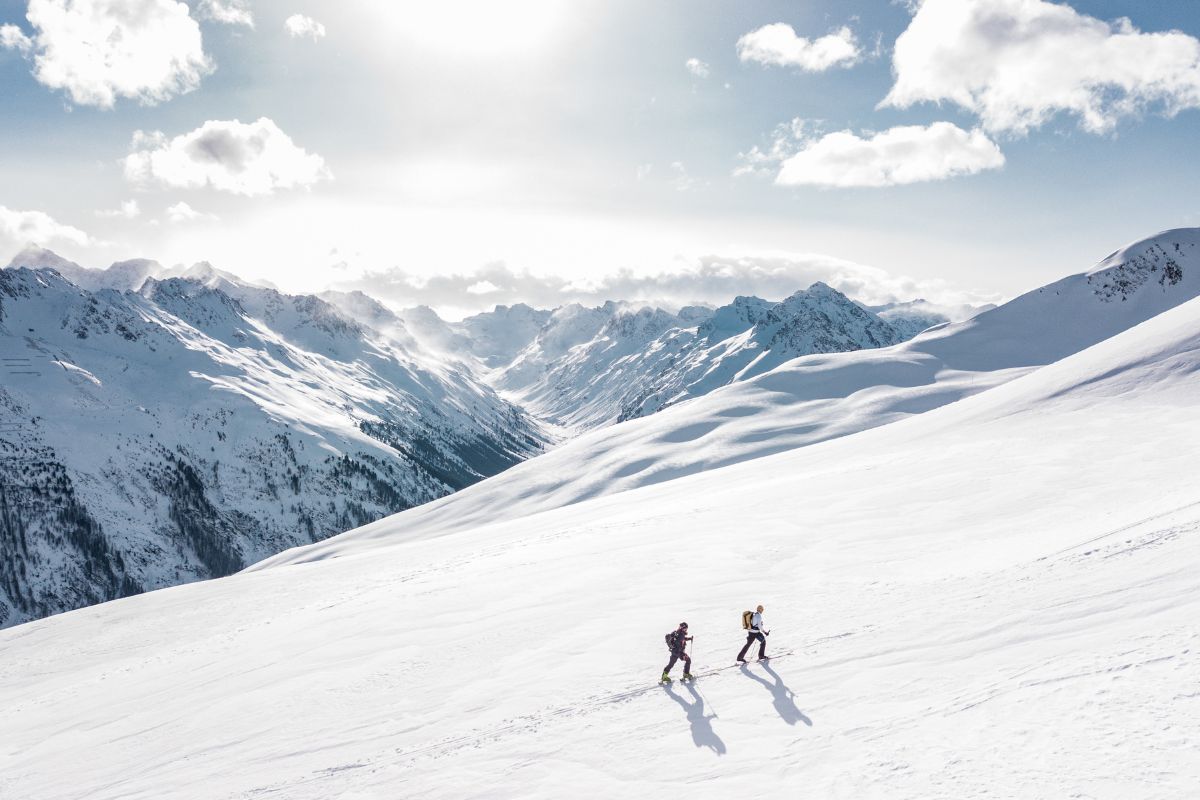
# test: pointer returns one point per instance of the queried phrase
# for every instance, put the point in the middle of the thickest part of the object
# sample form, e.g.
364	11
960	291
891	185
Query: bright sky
545	149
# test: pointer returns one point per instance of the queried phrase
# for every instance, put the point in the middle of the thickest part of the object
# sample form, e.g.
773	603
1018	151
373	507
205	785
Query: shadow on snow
781	696
702	731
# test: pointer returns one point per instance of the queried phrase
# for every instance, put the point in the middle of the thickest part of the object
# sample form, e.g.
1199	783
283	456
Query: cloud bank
1017	63
778	45
709	280
240	158
100	50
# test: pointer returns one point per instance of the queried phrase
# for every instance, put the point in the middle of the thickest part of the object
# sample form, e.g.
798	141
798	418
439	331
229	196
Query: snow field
1015	573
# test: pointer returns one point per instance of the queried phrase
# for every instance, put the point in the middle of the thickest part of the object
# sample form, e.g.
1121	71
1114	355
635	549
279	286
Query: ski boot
687	676
665	678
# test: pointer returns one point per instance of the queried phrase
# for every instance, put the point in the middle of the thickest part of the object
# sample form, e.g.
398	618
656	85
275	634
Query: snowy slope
820	397
199	424
994	598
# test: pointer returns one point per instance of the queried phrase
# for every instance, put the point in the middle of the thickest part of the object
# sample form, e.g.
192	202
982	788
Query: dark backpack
673	640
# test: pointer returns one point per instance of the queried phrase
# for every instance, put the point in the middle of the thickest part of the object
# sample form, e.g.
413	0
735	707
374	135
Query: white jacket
756	622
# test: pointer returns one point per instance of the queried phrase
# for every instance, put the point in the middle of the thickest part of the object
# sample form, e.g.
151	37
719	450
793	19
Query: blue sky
377	144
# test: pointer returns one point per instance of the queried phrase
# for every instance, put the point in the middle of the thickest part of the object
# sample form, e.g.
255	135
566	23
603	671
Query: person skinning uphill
753	624
677	643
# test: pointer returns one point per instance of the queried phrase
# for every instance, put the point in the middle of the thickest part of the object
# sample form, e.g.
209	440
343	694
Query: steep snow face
1130	286
820	397
199	425
641	361
982	587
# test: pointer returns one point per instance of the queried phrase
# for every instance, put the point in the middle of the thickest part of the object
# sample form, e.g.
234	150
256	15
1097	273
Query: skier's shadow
781	696
702	731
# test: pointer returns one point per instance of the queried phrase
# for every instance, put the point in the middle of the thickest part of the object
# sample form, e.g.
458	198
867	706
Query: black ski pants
762	645
680	656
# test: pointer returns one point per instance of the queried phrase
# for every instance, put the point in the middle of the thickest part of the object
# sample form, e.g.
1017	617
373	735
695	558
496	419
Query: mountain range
163	425
976	549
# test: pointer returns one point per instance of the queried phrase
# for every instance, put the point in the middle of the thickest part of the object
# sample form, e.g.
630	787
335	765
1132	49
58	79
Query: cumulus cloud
901	155
1017	63
182	212
298	25
241	158
13	38
37	227
101	50
709	280
697	67
230	12
127	210
778	45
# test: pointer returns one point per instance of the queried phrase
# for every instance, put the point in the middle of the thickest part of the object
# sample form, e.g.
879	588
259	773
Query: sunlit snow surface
997	597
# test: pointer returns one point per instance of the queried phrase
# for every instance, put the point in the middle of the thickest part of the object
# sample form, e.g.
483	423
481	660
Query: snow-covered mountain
590	367
181	399
198	424
1005	580
814	398
362	410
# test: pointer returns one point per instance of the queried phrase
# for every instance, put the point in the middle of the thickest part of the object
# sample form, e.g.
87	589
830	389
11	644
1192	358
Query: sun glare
466	28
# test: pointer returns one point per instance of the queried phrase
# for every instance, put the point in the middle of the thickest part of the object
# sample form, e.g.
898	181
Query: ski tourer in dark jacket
677	643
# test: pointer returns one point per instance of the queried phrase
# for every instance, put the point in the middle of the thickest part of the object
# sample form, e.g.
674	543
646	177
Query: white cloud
13	38
127	210
100	50
298	25
182	212
901	155
241	158
1016	63
778	45
697	67
230	12
710	279
37	227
